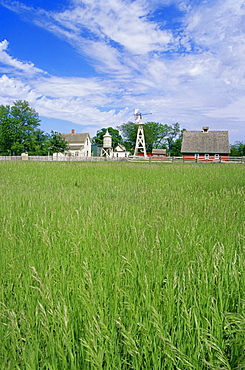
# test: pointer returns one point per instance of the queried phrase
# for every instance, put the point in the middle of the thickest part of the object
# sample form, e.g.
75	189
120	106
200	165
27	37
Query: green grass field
122	266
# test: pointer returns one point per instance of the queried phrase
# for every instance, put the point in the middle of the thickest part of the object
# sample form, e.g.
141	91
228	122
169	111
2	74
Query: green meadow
122	266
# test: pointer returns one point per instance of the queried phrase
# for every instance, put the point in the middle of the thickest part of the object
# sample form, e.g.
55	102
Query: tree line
20	132
238	149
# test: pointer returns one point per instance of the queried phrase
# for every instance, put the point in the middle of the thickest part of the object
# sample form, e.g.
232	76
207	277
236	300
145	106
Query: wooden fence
58	159
131	159
185	160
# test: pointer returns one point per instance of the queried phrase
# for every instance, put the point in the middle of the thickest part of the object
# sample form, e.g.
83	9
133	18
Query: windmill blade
138	115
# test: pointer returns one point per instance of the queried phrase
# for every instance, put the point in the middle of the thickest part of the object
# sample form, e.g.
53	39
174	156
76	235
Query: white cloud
75	100
123	22
9	87
6	59
69	87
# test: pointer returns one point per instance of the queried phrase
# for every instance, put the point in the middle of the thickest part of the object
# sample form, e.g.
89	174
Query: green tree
18	128
176	148
155	134
42	142
129	134
116	137
238	149
56	143
7	132
172	136
25	120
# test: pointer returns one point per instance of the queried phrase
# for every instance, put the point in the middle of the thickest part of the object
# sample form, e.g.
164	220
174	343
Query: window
216	156
76	154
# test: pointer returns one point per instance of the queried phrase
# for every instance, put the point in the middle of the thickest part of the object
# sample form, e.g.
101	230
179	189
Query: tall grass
122	266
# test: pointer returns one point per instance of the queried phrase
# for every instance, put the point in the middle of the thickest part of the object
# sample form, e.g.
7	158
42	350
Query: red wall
151	155
223	157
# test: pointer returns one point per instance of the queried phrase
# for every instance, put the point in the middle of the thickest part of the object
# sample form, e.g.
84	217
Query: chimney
205	129
73	131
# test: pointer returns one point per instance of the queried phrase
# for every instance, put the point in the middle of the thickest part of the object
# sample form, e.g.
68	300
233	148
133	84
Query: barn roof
213	142
75	137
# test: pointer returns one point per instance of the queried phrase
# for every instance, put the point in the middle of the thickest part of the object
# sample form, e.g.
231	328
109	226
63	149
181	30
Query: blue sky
87	64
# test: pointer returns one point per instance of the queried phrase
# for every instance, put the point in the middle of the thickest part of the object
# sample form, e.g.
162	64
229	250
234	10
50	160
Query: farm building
96	150
159	152
79	144
120	151
205	145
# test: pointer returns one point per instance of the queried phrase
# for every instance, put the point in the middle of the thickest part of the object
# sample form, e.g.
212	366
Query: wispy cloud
122	22
16	65
63	99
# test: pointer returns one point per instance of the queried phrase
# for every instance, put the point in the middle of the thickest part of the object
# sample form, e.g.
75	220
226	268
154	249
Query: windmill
140	140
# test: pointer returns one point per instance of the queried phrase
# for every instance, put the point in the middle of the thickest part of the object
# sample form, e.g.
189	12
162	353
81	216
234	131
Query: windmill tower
140	140
107	145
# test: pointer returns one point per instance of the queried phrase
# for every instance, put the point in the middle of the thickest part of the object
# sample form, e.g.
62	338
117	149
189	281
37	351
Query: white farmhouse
79	144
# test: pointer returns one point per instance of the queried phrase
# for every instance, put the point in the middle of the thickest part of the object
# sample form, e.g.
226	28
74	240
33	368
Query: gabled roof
213	142
120	148
76	137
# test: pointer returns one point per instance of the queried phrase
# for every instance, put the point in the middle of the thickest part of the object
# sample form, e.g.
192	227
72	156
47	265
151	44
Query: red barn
205	145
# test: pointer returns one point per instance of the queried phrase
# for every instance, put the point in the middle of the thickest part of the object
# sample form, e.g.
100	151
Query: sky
87	64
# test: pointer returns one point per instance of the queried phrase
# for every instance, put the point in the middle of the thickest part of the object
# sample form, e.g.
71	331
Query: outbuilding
120	151
159	153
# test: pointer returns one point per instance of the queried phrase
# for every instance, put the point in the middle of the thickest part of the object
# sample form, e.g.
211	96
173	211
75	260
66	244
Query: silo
107	145
107	140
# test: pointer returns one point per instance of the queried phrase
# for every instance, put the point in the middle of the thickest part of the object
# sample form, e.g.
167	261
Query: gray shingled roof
213	142
76	138
159	151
